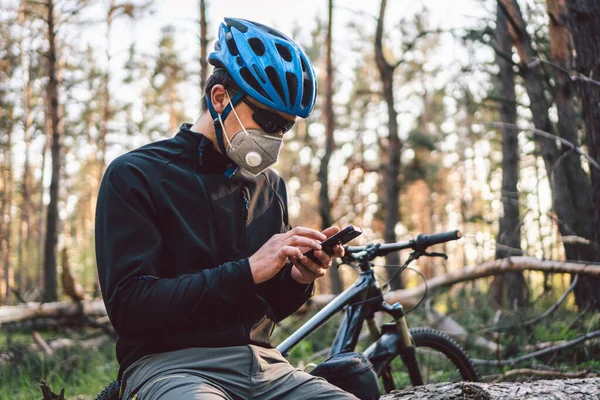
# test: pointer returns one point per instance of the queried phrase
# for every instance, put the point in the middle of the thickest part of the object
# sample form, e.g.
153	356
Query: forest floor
84	372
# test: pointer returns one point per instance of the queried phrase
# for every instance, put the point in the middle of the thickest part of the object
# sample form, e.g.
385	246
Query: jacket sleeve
127	246
282	292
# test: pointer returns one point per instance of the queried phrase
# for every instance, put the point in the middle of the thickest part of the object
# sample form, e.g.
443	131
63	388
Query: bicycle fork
407	349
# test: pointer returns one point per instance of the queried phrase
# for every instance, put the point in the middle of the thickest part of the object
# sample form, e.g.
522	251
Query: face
252	114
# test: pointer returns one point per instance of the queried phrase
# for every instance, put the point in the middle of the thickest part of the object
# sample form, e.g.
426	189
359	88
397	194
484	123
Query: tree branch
572	78
359	13
512	361
537	319
546	135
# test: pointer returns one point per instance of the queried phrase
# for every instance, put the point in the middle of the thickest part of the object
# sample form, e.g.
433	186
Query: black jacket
173	237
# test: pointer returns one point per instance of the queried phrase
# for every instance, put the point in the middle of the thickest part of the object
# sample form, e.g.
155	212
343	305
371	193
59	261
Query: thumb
332	230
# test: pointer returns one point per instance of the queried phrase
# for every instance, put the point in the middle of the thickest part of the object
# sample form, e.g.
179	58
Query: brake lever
434	254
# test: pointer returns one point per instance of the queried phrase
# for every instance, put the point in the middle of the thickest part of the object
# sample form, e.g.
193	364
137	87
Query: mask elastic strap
237	117
219	118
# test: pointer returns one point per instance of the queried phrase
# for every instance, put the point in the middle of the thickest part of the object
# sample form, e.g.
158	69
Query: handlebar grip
424	241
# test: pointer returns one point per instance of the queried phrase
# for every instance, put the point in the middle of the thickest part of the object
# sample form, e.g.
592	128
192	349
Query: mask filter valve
253	159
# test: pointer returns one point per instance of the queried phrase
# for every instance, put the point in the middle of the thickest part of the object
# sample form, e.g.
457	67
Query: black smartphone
342	237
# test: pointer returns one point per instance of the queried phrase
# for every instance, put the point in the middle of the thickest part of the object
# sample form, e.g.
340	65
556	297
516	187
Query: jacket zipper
245	207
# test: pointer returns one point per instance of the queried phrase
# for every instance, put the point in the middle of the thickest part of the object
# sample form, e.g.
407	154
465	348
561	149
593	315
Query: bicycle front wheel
440	359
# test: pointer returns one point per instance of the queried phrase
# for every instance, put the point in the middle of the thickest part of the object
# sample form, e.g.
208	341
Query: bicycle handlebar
420	243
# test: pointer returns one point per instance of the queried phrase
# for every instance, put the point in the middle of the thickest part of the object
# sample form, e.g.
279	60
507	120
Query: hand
306	271
272	256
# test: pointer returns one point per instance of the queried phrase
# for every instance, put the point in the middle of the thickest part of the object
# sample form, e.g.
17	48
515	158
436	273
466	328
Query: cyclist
196	257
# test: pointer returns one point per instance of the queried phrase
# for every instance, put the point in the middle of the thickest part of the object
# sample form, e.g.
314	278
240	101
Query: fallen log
491	268
64	309
574	389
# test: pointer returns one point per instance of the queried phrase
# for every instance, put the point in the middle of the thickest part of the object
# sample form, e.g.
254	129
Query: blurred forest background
482	116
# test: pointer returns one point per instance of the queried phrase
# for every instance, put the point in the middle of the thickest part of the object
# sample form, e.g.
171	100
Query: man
196	258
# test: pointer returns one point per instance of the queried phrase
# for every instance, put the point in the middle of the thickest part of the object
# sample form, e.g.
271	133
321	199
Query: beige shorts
238	372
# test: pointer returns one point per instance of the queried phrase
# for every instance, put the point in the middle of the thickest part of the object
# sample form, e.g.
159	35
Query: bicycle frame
357	291
363	298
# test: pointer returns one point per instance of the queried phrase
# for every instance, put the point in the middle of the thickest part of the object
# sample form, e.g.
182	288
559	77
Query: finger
332	230
309	268
307	232
316	267
290	252
338	250
306	272
324	258
301	241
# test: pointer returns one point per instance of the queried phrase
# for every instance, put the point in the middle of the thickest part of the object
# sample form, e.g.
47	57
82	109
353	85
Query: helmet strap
217	119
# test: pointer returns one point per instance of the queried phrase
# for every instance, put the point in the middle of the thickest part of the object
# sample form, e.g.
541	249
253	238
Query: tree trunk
571	190
6	231
509	235
323	174
584	23
55	111
41	209
391	180
24	238
203	46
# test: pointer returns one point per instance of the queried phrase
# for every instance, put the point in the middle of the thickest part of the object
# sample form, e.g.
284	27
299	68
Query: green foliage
82	372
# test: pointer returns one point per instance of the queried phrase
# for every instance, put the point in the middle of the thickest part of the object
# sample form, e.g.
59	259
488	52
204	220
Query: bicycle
394	343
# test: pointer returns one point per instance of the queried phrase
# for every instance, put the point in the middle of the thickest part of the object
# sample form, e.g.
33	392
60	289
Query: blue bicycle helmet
267	65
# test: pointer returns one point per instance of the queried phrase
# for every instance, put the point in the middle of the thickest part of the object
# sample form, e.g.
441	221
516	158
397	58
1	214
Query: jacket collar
209	158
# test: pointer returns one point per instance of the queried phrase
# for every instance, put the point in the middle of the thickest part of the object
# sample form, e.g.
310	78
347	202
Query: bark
6	185
25	223
323	174
391	180
571	190
583	18
8	215
56	123
203	46
41	209
55	310
6	212
509	234
560	48
574	389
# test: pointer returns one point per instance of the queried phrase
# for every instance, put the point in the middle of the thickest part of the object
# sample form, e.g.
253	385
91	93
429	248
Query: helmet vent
304	66
231	44
307	92
251	80
257	46
270	30
237	25
258	73
284	52
292	83
272	75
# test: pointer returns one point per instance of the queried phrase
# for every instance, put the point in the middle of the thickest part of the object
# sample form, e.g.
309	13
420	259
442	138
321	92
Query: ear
218	98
